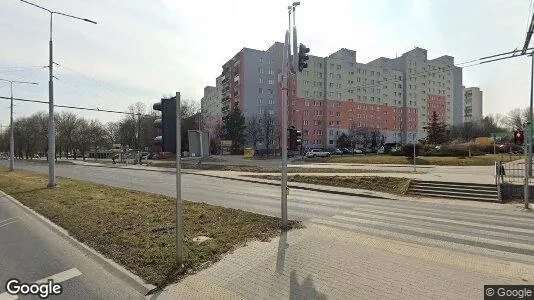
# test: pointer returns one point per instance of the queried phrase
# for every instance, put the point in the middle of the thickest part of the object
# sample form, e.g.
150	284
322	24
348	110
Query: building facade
472	104
335	94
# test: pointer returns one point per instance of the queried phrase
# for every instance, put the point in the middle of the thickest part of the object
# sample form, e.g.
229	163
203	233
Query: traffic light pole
179	229
285	75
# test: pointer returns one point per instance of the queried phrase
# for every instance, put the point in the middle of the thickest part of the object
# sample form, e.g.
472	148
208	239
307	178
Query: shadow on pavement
304	290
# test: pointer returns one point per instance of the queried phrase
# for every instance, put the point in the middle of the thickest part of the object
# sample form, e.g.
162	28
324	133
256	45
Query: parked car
317	153
351	151
358	151
511	148
290	153
336	152
381	150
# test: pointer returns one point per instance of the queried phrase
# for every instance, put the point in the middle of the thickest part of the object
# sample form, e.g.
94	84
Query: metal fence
512	172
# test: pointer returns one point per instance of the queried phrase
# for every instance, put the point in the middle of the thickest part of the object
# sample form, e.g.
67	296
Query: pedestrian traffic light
518	136
303	57
167	124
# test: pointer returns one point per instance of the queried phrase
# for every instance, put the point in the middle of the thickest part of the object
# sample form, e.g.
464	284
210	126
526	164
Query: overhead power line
76	107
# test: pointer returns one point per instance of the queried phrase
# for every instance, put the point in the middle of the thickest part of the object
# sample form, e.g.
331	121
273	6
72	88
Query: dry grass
483	160
393	185
136	229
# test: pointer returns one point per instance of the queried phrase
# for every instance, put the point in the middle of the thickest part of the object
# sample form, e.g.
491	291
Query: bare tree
269	132
253	130
516	118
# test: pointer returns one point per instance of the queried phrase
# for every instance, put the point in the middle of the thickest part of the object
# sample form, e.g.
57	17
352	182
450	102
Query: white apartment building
472	104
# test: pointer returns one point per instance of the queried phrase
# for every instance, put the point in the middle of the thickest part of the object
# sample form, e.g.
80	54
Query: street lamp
51	125
11	138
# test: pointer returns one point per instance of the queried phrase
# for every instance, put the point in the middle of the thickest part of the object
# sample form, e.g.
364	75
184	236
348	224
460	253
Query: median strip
136	229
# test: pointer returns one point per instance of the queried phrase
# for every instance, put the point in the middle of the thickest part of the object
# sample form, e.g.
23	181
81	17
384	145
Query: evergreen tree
233	128
436	130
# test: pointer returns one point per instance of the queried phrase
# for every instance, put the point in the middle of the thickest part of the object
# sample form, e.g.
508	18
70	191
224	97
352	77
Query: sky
141	50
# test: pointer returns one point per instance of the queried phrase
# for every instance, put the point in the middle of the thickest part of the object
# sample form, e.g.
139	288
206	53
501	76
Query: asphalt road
30	252
498	233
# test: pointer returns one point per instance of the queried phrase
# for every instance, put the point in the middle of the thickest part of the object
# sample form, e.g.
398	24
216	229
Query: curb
260	182
117	270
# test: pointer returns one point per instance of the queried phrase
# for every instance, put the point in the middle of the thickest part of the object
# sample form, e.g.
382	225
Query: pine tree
436	130
233	128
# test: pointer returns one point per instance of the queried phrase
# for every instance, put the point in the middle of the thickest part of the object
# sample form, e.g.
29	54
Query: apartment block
211	108
335	93
472	104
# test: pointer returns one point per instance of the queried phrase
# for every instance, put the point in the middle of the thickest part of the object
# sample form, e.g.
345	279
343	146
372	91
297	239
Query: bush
455	151
407	150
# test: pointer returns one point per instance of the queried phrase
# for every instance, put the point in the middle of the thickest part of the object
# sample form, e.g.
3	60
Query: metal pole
525	179
529	131
285	77
200	135
414	166
11	138
51	127
179	229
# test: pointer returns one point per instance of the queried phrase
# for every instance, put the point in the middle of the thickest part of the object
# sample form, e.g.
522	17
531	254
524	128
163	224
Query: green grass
393	185
483	160
136	229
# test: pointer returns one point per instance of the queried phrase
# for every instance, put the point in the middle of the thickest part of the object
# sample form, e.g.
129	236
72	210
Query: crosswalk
495	233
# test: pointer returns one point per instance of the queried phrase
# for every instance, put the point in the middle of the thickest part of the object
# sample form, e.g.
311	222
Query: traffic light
518	136
167	123
298	134
303	57
292	133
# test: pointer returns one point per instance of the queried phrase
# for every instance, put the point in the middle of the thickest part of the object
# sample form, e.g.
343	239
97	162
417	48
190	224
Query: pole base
51	185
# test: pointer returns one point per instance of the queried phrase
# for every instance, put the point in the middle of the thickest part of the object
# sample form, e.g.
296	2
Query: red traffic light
519	136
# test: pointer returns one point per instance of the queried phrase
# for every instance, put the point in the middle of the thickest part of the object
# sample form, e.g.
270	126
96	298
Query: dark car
511	148
290	153
337	152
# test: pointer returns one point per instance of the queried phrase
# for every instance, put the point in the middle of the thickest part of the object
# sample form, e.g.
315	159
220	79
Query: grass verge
483	160
393	185
253	169
136	229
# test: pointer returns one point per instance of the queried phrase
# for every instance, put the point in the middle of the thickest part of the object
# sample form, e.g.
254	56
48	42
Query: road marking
56	278
9	219
5	224
60	277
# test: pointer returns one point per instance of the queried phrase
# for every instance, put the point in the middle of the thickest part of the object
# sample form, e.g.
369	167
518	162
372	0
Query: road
30	252
497	232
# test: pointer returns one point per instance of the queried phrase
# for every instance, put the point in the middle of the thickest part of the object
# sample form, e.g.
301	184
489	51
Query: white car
317	153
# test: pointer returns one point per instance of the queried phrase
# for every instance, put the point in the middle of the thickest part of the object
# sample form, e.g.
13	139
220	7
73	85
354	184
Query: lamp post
51	125
11	138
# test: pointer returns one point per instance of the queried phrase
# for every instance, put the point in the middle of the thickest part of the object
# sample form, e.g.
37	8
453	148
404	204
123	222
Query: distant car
336	152
317	153
36	156
290	153
358	151
381	150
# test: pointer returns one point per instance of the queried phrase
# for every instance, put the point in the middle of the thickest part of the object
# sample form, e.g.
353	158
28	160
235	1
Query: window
338	76
261	111
331	84
306	93
261	80
270	91
331	142
271	71
338	114
261	59
260	90
271	101
319	74
261	70
306	103
331	132
339	67
339	85
331	75
332	66
271	112
306	123
331	123
260	100
331	113
271	81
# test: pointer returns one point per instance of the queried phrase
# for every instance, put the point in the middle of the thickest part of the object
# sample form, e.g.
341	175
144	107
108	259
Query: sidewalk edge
114	268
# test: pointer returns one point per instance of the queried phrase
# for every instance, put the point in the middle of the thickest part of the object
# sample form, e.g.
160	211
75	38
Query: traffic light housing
519	136
298	135
167	124
303	57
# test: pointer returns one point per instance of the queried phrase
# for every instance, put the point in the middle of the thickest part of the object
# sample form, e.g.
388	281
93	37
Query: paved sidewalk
326	263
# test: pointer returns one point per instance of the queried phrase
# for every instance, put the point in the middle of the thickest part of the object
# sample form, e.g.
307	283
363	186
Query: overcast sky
143	49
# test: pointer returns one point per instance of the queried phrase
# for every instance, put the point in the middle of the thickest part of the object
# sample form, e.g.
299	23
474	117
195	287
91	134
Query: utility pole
529	129
413	140
51	125
11	129
179	229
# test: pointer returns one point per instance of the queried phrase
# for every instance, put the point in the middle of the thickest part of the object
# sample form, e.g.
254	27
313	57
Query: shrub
407	150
